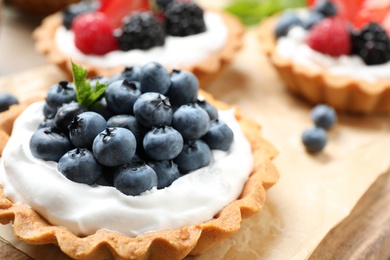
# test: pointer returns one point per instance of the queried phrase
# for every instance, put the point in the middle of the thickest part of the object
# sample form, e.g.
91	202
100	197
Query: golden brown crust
8	117
341	92
205	70
166	244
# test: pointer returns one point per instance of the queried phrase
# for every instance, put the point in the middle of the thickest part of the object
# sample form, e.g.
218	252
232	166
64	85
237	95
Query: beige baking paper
315	192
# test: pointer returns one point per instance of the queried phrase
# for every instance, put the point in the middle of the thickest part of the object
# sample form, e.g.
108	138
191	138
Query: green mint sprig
86	94
251	12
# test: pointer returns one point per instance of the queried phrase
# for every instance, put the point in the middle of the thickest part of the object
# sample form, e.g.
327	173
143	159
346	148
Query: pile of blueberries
315	138
148	129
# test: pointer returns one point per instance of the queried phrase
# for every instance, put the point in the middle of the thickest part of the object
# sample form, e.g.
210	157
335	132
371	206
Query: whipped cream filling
83	209
177	51
294	48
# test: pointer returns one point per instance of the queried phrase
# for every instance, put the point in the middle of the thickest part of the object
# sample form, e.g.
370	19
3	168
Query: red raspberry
93	33
330	36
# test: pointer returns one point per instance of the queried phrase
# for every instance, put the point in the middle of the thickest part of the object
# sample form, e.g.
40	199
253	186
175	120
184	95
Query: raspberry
183	19
116	10
93	34
372	44
140	31
330	36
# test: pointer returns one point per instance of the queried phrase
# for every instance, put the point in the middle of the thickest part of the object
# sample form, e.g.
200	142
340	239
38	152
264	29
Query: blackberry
162	4
141	30
372	44
73	10
183	19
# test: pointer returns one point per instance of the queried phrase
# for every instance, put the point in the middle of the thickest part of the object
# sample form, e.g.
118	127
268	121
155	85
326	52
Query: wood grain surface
365	233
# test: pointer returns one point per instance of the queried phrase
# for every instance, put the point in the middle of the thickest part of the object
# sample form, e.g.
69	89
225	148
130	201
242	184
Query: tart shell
30	227
206	70
343	93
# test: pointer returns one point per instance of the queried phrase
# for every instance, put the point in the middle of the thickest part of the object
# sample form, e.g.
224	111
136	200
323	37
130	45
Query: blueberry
47	122
7	100
314	139
66	113
107	176
121	96
153	109
191	121
128	122
100	79
79	165
325	7
312	19
210	109
114	146
49	144
100	107
288	20
154	78
219	136
183	89
167	172
134	178
49	112
85	127
163	143
323	116
195	154
61	93
73	10
131	73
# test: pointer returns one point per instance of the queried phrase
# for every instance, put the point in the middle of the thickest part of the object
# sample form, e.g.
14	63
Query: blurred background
18	18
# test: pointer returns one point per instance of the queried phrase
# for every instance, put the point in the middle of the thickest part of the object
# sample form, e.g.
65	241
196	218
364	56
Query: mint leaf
251	12
86	94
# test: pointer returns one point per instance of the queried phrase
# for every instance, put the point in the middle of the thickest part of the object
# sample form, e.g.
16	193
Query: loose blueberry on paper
314	139
139	141
324	118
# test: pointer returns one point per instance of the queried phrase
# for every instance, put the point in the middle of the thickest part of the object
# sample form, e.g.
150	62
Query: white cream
193	198
293	47
177	51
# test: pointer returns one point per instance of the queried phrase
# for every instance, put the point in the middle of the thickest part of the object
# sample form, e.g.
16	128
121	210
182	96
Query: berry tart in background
335	52
41	7
153	168
107	36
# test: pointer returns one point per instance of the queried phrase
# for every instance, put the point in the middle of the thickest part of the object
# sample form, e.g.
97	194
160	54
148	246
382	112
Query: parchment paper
315	192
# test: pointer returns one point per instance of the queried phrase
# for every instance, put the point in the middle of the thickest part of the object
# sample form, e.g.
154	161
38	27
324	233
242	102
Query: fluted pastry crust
165	244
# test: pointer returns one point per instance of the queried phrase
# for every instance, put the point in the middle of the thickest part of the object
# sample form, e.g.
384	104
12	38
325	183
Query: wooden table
364	234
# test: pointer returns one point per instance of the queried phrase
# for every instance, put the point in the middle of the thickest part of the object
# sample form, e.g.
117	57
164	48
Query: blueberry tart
108	183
